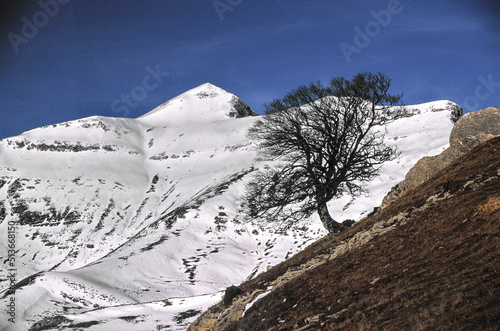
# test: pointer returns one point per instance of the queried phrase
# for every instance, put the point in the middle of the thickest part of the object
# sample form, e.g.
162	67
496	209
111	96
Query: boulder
475	128
469	131
230	294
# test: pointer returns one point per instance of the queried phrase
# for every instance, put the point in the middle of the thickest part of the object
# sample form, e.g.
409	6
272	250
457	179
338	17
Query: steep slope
134	223
97	175
429	261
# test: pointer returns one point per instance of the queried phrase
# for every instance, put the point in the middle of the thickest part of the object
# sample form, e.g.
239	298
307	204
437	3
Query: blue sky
67	59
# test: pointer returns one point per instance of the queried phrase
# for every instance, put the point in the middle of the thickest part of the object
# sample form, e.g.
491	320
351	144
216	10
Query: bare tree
324	141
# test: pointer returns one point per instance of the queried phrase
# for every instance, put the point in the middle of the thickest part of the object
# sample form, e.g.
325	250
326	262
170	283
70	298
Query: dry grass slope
429	261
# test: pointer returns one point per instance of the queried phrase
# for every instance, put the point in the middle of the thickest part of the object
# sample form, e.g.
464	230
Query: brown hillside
429	261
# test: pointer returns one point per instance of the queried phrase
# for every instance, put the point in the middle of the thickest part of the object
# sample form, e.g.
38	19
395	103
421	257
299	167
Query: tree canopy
323	142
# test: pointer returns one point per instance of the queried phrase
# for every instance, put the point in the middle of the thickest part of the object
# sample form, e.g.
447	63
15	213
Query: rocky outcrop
240	109
469	131
475	128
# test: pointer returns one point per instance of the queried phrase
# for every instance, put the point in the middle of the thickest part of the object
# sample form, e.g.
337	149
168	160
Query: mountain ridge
156	202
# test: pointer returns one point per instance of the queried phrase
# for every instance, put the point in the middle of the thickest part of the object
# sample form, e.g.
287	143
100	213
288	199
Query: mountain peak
207	85
204	103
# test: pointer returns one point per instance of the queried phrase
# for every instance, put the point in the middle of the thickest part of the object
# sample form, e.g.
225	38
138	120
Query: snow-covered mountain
134	224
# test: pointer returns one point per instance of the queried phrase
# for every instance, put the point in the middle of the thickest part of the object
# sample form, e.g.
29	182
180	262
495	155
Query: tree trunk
328	222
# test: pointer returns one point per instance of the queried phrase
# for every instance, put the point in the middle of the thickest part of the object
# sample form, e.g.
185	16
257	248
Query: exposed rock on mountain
469	131
240	109
429	261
